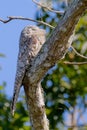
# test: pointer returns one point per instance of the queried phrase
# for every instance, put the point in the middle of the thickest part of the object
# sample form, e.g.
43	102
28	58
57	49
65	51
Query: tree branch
74	63
49	9
10	18
78	53
57	44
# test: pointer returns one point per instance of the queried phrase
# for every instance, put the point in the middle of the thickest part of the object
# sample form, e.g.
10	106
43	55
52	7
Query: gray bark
52	51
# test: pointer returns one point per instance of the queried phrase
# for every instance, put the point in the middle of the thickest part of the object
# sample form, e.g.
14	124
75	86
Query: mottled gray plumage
31	41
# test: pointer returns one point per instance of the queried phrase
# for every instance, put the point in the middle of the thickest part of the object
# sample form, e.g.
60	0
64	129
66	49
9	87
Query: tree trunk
36	106
52	51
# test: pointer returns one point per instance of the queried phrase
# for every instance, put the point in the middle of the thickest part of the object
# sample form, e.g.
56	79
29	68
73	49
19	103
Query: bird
31	40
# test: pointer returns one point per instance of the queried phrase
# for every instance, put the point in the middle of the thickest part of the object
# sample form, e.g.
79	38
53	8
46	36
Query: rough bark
52	51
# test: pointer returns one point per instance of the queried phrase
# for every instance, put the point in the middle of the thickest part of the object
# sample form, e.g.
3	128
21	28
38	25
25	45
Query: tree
53	50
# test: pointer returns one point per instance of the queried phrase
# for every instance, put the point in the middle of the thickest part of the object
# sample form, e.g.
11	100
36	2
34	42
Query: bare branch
49	9
10	18
6	21
78	53
74	63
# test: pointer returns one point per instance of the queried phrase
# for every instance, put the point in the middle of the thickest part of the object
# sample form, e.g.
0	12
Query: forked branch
58	43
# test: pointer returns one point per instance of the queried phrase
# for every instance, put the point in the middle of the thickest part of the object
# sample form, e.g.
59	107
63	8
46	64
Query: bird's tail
14	100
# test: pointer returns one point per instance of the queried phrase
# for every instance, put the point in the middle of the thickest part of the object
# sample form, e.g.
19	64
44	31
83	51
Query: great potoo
31	41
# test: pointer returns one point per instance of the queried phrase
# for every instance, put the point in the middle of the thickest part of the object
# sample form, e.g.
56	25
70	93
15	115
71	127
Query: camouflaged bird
31	40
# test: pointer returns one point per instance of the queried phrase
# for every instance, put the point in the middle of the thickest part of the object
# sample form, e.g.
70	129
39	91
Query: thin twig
51	10
10	18
74	63
78	53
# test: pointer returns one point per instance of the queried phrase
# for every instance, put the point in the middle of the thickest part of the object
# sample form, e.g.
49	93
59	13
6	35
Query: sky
9	37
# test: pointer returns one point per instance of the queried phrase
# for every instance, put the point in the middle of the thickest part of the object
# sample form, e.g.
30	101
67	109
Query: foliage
20	120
